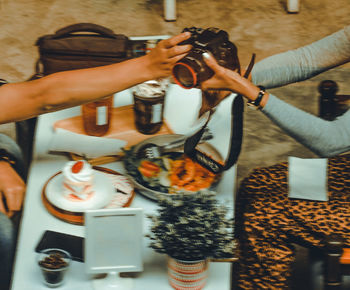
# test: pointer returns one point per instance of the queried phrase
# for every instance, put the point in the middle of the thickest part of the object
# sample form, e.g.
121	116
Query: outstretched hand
167	52
216	88
12	189
224	79
228	80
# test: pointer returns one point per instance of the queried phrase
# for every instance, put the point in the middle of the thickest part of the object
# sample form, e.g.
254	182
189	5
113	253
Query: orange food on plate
148	168
176	174
188	175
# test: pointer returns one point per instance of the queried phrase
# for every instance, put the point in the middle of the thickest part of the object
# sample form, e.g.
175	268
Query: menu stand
113	244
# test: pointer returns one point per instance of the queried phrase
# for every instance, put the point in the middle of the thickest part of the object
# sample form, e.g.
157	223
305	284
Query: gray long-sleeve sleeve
325	138
304	62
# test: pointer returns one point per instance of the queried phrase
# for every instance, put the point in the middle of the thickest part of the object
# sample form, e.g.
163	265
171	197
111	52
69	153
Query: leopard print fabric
268	222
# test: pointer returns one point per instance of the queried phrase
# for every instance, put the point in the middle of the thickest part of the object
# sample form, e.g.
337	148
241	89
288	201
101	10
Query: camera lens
184	75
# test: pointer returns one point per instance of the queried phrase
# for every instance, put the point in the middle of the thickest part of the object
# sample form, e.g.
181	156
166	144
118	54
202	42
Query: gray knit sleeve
325	138
305	62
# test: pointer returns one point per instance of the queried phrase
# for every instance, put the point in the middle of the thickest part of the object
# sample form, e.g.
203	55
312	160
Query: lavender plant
192	227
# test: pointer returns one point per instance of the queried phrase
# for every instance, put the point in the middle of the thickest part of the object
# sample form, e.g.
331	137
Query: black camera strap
204	159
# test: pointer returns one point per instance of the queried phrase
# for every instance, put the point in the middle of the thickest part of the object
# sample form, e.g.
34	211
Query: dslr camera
191	70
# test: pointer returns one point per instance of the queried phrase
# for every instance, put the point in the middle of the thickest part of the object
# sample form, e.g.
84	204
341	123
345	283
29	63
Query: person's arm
325	138
228	80
70	88
284	68
304	62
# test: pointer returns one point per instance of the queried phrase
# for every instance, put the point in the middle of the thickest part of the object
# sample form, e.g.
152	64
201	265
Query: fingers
209	85
14	198
206	85
177	58
179	49
170	42
211	61
2	207
5	210
12	187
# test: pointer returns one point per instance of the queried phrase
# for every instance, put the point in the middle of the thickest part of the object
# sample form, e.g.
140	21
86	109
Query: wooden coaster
78	217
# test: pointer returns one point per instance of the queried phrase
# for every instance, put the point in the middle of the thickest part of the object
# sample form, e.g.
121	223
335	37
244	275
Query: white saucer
103	195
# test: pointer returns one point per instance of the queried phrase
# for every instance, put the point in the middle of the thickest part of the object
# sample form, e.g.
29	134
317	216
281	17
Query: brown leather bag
81	45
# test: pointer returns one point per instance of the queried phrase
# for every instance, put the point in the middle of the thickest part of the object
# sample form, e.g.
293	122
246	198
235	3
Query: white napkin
307	178
83	145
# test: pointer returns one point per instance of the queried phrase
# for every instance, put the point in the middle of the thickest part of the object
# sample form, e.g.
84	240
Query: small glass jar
97	116
149	106
54	264
148	113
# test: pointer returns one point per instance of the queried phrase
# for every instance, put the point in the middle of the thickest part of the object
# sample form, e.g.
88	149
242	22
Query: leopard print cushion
268	222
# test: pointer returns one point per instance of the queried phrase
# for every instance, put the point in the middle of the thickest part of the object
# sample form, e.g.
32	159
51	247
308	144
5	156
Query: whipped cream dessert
77	180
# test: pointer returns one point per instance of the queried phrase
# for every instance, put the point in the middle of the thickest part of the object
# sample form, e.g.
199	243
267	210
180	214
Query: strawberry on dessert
77	180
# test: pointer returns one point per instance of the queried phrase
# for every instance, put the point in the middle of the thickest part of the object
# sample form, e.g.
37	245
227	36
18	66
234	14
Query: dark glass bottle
148	113
328	99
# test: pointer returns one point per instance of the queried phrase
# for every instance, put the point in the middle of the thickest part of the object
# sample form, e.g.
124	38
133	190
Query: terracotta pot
187	275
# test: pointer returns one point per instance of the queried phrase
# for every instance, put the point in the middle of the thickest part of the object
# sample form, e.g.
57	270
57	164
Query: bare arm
70	88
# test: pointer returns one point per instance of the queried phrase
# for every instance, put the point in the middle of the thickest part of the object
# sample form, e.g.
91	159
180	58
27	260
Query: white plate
102	186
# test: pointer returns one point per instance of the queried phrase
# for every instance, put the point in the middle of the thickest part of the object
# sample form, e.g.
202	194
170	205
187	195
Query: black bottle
328	99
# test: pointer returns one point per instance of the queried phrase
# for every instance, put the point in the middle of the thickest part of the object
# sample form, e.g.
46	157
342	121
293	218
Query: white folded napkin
307	178
83	145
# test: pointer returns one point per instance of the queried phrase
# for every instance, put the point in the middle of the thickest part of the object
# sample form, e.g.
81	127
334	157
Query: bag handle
85	27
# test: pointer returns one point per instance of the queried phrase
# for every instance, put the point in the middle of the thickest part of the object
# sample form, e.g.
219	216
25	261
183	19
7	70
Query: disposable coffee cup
53	264
149	106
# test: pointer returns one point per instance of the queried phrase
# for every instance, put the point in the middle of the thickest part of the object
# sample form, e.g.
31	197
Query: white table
180	108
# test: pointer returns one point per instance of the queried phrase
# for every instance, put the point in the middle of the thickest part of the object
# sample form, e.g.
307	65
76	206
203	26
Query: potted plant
190	229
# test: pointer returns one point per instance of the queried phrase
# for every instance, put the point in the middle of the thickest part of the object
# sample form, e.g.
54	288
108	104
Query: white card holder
307	178
113	244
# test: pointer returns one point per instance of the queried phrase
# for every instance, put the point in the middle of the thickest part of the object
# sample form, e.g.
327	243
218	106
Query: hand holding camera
233	81
213	55
190	71
161	58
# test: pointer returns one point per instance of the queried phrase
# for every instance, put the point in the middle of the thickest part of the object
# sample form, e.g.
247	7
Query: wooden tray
122	127
78	217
